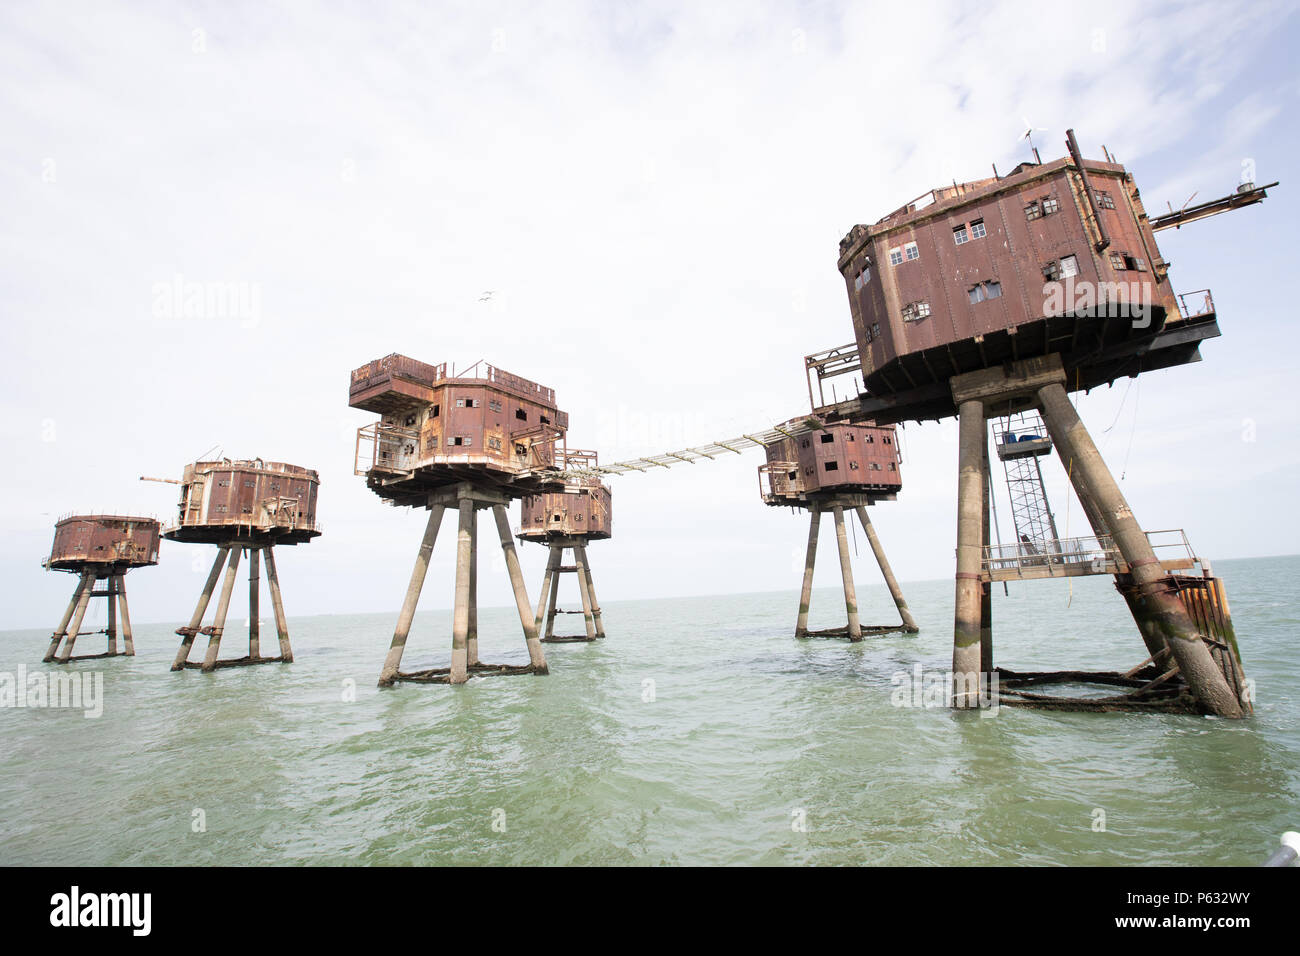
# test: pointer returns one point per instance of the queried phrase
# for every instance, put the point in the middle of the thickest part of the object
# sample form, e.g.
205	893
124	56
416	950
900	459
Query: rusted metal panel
262	501
982	274
839	459
437	429
119	542
582	510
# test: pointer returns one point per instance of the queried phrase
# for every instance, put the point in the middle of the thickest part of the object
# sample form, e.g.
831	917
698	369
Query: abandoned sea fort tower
99	548
569	520
242	507
470	440
836	469
995	297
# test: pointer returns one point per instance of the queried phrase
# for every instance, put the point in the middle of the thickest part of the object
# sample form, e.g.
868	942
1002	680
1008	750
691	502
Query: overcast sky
654	193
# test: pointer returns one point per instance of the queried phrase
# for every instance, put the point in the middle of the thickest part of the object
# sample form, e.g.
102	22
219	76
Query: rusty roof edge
866	232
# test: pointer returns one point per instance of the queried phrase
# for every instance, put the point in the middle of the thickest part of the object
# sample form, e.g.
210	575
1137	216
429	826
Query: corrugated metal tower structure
242	507
993	297
469	440
568	520
99	548
835	469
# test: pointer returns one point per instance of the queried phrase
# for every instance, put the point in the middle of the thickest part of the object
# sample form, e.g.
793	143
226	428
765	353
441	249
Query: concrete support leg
1155	604
254	610
393	662
111	628
805	596
986	587
552	562
78	615
596	617
460	612
971	495
891	582
535	655
584	591
555	592
277	605
846	572
471	637
128	639
87	580
188	632
223	606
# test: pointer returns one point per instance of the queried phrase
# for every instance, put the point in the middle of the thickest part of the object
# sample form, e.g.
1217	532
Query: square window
1069	266
895	256
875	329
853	466
922	309
992	290
976	294
1117	261
960	235
1137	265
1104	201
977	229
832	466
1050	205
911	251
827	438
434	414
1052	271
1033	210
521	414
460	403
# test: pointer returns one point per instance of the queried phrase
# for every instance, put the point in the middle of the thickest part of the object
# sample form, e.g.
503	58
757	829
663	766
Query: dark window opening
832	466
435	412
521	415
544	420
410	420
827	438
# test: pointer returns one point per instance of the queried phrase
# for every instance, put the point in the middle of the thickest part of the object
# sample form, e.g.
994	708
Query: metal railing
1083	555
383	447
1192	304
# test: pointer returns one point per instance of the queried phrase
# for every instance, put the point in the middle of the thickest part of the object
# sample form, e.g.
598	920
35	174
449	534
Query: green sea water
699	732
